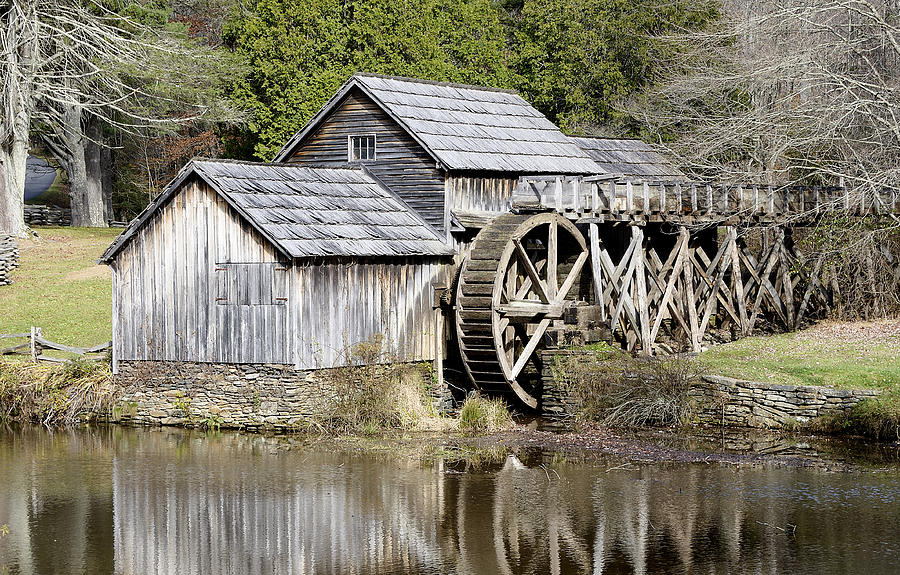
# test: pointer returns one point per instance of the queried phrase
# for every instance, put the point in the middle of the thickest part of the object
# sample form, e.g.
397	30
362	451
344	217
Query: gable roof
308	212
465	127
626	157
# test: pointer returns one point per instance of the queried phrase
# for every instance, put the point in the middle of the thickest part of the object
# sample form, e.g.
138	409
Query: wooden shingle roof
309	212
466	128
634	158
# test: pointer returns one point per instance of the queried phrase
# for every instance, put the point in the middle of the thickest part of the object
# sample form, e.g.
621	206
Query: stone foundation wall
739	403
719	400
557	400
251	397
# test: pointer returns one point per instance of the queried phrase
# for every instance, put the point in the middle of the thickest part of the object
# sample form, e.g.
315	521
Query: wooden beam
641	290
597	268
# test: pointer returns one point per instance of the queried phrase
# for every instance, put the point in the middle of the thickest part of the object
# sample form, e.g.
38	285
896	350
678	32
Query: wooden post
33	347
787	285
689	298
646	189
557	192
629	197
597	267
552	263
737	278
576	195
611	195
439	347
640	286
662	198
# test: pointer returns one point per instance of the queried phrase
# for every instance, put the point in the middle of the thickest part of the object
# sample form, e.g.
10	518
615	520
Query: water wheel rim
480	310
558	292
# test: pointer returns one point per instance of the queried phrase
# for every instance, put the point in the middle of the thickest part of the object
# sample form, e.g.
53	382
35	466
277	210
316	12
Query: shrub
614	388
374	396
483	415
876	417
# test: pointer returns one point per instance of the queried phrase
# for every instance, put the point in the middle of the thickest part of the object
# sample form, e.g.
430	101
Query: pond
133	501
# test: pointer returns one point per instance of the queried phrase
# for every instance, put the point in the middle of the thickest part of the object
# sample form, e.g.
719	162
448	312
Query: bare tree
70	67
796	92
786	91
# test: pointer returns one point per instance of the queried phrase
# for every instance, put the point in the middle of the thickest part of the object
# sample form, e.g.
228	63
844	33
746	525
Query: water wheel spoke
536	283
532	344
569	282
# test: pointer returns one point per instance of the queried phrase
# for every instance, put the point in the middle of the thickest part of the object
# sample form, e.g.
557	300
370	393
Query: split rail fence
36	344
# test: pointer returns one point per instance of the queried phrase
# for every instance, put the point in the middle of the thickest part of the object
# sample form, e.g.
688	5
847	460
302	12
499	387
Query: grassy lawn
60	288
834	354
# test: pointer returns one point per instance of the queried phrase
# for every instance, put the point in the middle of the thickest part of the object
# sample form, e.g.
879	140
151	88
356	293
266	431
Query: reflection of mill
319	512
409	519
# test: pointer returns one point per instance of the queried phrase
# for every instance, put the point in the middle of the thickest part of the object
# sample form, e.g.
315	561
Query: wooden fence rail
36	344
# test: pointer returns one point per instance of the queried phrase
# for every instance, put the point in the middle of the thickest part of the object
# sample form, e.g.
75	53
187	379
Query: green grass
483	415
854	355
60	288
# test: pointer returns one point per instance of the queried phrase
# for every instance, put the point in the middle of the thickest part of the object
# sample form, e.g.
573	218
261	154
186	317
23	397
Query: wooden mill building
456	221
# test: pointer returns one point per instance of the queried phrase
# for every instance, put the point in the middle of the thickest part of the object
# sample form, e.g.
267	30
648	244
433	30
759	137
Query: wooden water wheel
514	283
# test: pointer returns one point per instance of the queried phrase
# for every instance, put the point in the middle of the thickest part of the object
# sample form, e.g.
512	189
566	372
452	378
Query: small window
361	148
251	283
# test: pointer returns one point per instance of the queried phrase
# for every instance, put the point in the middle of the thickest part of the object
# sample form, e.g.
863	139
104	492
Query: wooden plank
786	279
680	250
738	281
691	305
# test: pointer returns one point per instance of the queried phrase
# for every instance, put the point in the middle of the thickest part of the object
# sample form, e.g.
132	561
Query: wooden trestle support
699	284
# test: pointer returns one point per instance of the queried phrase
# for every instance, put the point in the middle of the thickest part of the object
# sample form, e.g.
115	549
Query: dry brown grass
58	394
616	389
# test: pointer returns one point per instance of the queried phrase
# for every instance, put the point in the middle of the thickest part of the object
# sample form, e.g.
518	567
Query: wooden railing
623	199
36	343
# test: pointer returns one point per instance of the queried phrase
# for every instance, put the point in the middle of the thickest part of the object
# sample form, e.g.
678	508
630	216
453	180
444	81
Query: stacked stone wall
739	403
41	215
251	397
9	258
718	400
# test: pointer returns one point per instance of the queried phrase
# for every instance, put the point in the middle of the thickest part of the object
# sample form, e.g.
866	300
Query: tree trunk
12	189
19	43
106	180
78	150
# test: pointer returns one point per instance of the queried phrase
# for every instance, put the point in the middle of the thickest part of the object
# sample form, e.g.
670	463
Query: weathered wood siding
401	163
197	283
168	280
344	304
478	193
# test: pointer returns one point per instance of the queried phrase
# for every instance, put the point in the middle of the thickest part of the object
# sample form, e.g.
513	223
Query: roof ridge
436	83
346	167
632	139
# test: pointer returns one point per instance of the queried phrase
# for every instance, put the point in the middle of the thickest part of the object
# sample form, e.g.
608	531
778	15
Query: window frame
374	157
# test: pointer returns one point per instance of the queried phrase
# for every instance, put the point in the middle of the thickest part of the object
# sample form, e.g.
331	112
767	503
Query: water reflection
143	502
